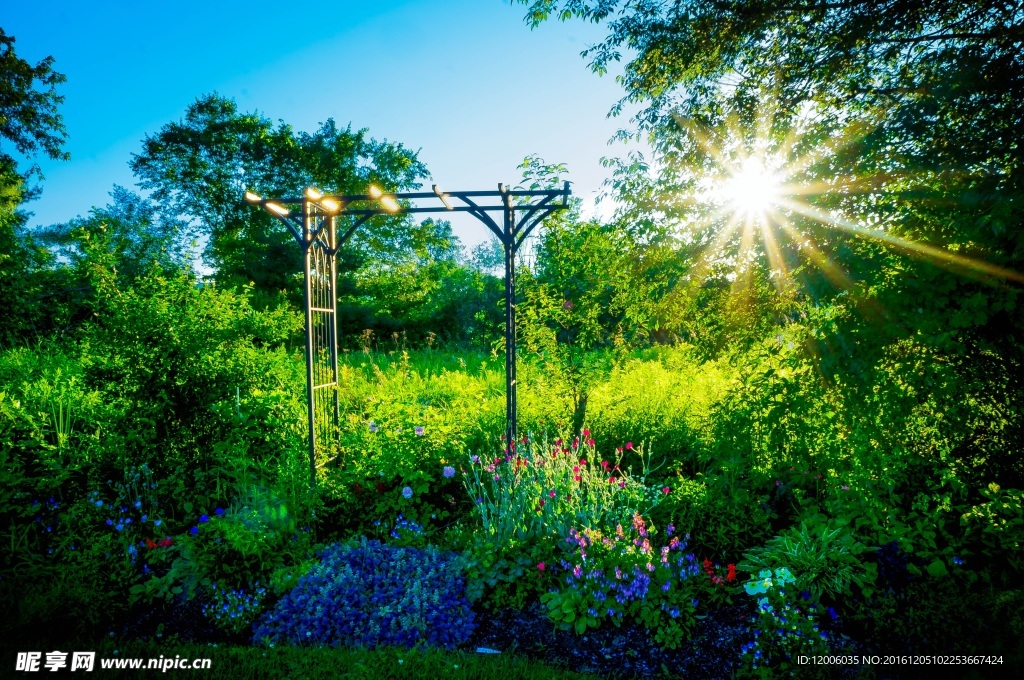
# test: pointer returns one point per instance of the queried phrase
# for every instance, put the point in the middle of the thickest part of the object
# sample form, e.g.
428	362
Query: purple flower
407	492
419	431
204	518
219	512
449	471
474	459
373	426
194	531
670	529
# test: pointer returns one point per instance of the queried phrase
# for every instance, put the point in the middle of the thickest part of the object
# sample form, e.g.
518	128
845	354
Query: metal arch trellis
315	230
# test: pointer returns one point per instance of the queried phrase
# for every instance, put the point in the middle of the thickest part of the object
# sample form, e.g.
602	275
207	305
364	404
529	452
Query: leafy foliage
29	118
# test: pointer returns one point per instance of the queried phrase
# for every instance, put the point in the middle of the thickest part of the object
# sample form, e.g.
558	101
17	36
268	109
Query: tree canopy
199	168
29	116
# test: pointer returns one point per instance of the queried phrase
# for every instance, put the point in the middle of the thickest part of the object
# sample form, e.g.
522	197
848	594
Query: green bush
826	557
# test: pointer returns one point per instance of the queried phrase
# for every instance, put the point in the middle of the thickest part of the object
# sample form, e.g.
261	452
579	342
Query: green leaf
937	569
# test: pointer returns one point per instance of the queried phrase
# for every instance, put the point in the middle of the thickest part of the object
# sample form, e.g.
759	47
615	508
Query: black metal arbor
315	229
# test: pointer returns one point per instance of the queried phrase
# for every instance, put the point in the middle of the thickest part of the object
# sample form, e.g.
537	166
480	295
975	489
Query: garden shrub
788	623
368	594
624	573
825	558
531	496
233	610
720	512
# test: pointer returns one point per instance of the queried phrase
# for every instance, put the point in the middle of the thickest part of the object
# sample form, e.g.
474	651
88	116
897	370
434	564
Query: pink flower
629	446
666	490
576	477
540	566
419	431
551	493
590	443
586	433
575	468
846	488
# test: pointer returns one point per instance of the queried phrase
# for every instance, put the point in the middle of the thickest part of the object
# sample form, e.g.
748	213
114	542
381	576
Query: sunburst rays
760	195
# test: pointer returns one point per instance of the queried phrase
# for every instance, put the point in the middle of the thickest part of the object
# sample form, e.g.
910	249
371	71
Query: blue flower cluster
233	610
402	524
367	594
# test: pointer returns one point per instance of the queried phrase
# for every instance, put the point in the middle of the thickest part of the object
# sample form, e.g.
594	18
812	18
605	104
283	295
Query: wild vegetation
806	412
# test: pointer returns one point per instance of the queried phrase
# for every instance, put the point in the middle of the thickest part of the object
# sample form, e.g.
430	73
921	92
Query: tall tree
29	116
199	168
897	124
30	124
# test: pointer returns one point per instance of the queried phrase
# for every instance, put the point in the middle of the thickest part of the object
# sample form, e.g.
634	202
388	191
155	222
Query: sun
751	190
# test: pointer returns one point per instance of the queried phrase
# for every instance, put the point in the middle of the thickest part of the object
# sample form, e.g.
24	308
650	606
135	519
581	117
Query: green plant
233	610
998	525
543	489
610	576
788	625
826	558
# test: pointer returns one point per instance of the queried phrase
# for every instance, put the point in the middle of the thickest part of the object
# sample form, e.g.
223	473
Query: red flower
150	544
730	575
590	442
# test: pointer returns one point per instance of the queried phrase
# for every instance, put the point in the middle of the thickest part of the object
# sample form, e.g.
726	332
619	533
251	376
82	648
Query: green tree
29	116
30	124
897	122
199	168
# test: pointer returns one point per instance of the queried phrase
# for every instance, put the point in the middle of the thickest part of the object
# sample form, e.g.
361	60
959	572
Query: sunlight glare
751	190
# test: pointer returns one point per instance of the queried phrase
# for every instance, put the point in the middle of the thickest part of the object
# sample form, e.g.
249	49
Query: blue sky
464	81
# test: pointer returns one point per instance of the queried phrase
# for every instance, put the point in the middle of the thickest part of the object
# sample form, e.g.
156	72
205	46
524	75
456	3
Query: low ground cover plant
369	594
